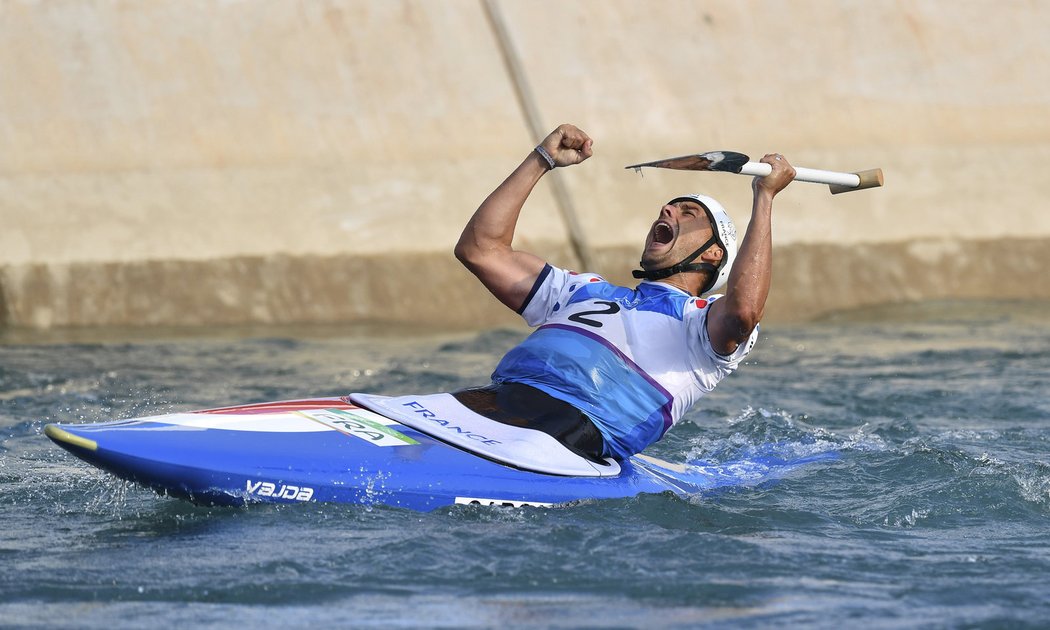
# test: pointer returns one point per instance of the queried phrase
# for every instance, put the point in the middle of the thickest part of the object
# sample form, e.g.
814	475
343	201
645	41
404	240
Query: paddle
732	162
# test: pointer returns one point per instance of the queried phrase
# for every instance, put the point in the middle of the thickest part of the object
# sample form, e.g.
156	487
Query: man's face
680	229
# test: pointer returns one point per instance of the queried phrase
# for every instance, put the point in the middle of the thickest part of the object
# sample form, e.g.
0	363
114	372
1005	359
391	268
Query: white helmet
724	235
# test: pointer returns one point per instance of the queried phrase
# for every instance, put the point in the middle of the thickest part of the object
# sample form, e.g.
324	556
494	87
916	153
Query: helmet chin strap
686	265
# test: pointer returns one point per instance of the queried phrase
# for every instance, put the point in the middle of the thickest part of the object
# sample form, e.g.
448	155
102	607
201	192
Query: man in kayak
609	369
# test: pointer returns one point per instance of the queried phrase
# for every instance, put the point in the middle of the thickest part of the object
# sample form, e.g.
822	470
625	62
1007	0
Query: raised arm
485	247
733	318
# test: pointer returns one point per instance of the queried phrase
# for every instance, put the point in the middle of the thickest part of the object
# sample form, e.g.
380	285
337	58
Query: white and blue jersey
633	360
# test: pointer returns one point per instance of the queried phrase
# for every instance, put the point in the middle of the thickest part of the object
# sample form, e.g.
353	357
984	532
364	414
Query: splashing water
935	511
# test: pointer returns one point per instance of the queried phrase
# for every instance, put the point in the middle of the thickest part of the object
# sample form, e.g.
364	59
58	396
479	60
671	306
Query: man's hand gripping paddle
732	162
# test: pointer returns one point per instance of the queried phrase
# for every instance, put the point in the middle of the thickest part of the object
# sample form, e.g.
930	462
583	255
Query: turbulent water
937	514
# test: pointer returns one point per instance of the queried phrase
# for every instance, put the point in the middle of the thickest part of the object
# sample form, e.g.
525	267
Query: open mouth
663	233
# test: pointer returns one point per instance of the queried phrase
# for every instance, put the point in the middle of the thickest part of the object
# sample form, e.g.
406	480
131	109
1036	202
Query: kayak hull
277	452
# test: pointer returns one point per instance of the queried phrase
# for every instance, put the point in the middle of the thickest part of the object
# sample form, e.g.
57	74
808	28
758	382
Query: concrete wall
197	162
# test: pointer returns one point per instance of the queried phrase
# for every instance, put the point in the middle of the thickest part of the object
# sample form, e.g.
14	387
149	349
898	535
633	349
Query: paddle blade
723	161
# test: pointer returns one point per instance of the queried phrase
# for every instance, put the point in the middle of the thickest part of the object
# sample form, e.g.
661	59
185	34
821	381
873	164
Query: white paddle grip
802	174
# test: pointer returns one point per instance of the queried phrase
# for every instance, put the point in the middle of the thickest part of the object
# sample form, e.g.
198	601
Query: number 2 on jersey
580	318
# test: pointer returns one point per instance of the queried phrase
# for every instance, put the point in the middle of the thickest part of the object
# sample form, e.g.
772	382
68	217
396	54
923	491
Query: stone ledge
810	280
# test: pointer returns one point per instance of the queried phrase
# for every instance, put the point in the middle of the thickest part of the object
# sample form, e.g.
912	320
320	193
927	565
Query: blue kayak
333	450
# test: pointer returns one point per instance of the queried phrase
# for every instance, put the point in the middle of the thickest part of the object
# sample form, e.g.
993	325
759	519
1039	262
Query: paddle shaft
839	182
